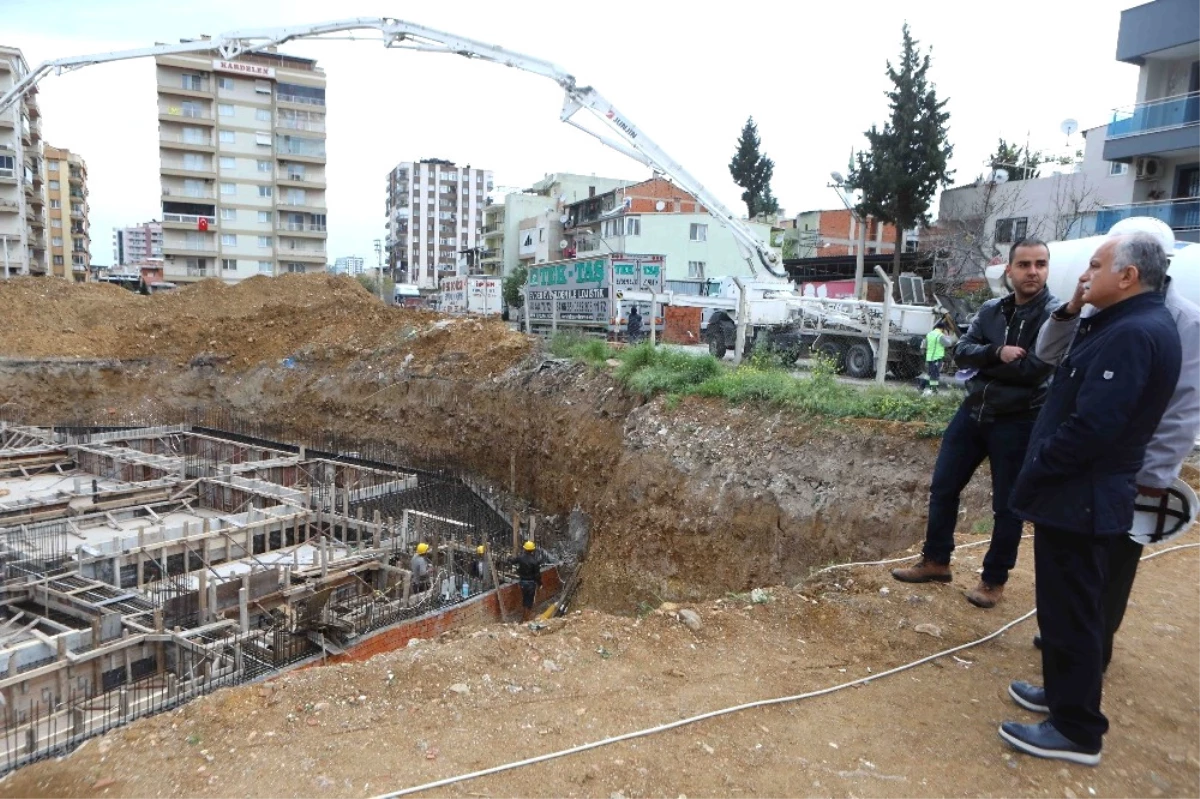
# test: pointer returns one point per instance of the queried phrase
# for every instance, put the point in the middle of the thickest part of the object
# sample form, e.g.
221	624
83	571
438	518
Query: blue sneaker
1043	740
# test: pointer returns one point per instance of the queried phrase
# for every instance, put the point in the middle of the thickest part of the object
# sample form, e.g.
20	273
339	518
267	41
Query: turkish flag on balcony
202	224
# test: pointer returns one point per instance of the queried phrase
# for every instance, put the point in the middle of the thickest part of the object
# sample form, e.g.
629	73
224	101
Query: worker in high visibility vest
935	344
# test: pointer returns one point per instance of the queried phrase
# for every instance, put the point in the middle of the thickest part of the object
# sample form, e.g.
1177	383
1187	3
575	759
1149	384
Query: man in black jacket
994	422
1077	485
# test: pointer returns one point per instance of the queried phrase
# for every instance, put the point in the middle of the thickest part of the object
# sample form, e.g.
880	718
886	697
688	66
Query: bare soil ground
695	504
480	698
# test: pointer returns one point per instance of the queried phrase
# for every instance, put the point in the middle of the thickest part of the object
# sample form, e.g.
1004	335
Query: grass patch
650	371
570	344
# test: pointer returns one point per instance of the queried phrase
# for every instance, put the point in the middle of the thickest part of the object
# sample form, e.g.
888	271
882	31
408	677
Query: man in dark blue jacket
994	422
1077	485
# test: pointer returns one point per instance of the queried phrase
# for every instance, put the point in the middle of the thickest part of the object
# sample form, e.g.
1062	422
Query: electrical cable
728	710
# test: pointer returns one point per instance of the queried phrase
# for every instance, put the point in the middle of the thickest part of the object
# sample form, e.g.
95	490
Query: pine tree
752	171
908	160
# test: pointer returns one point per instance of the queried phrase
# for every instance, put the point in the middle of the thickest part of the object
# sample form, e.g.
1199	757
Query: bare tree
964	238
1073	199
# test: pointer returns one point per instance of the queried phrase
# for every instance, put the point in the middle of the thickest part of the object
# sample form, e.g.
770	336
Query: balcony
9	206
308	256
198	88
315	205
184	170
295	99
1157	127
179	193
300	180
177	141
190	246
300	124
195	116
1150	29
1183	215
304	229
187	221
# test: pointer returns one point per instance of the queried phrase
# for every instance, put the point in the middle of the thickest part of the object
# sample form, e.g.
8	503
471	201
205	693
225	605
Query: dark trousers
1072	571
528	593
964	446
934	370
1122	568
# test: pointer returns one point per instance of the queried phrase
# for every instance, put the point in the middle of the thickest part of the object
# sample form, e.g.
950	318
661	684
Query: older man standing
1077	484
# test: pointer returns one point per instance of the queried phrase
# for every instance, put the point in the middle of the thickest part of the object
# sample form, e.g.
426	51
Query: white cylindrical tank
1069	259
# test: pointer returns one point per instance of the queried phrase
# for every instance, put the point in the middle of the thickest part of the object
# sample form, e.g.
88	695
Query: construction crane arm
406	35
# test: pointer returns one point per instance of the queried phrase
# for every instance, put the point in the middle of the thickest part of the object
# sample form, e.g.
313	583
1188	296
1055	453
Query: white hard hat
1159	519
1147	224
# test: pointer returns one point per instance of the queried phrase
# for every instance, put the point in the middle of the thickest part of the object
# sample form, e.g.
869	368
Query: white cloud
686	74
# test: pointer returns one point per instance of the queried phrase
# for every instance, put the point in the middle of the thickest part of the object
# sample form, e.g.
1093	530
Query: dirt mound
305	318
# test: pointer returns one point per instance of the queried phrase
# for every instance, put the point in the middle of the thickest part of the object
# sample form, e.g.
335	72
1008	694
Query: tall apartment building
349	265
242	163
139	244
22	209
67	212
434	212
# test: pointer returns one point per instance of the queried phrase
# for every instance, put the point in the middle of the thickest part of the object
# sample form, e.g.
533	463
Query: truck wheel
860	361
716	342
833	351
907	367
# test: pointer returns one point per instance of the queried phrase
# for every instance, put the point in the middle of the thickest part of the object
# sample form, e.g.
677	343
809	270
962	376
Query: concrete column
244	609
203	592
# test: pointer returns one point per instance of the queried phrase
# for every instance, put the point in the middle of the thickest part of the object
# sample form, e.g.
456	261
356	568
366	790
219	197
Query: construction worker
529	573
634	327
421	569
479	568
935	344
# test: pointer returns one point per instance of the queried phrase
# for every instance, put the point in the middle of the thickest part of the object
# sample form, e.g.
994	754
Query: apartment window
56	203
262	86
194	110
911	245
228	239
194	162
265	191
1117	168
6	166
224	109
192	82
54	184
262	114
227	137
229	188
264	217
225	83
633	226
195	136
228	214
58	260
264	166
264	241
195	188
1012	229
263	139
696	269
55	223
228	162
266	267
56	241
229	264
296	197
295	268
698	232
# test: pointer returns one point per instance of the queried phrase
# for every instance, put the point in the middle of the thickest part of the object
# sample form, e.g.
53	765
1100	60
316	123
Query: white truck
470	294
588	294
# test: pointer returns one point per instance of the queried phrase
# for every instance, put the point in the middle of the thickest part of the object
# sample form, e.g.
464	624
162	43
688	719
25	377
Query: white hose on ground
726	711
898	560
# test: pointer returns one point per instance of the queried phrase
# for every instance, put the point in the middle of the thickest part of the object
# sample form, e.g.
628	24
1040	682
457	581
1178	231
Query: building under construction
142	567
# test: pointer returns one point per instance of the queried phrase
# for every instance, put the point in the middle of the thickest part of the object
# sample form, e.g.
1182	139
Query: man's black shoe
1037	641
1029	696
1043	740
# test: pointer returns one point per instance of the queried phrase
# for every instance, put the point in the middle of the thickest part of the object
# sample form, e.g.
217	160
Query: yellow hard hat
479	550
422	548
530	546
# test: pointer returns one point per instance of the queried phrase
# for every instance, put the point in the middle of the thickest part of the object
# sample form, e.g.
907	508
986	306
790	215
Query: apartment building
242	164
138	244
539	208
67	214
349	265
654	217
22	204
1158	137
434	214
837	232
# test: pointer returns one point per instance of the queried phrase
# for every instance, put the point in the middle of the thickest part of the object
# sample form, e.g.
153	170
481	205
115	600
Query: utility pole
379	268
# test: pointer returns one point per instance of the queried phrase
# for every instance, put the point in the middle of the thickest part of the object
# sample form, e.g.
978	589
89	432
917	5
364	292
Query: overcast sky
686	73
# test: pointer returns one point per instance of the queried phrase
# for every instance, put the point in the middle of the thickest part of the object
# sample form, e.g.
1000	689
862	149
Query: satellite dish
1000	176
562	245
837	177
563	219
562	198
660	205
1068	126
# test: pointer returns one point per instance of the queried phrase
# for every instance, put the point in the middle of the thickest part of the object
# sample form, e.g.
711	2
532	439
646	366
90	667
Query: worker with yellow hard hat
479	566
529	573
421	569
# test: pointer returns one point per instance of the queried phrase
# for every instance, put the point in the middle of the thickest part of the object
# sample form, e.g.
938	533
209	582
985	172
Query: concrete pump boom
400	34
